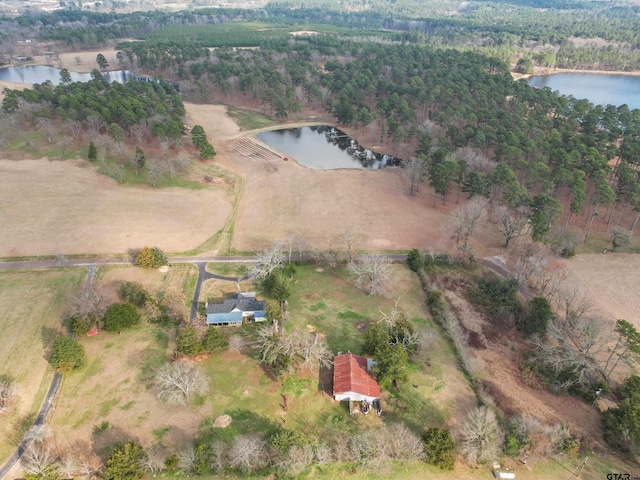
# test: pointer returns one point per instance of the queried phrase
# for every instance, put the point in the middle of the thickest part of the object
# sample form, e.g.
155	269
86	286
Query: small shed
233	311
352	379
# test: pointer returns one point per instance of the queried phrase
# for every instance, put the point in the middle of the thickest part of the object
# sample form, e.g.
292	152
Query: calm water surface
599	89
42	73
325	148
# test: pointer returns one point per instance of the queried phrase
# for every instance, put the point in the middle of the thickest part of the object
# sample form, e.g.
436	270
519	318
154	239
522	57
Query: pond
599	89
325	148
41	73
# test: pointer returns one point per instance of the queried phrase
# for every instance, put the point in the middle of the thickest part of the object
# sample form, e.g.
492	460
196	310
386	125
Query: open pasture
59	207
31	308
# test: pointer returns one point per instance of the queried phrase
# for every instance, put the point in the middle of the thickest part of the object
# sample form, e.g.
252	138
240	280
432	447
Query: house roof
241	301
350	374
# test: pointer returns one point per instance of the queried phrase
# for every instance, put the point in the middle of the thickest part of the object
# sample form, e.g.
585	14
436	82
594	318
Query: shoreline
552	71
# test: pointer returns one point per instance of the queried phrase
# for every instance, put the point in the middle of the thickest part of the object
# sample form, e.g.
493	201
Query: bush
149	257
66	355
564	243
439	448
498	296
540	314
125	462
133	292
414	260
119	316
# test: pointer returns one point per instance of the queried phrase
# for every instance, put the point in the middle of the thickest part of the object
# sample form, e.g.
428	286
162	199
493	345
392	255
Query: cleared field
31	308
58	207
612	281
318	204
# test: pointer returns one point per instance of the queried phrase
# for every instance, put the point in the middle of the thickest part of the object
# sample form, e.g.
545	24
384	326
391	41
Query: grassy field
248	119
31	308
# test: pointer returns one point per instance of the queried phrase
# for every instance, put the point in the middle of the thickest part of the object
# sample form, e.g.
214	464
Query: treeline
519	28
156	103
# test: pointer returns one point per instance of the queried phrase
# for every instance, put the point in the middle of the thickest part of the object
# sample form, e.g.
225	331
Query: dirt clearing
612	281
317	204
58	207
499	352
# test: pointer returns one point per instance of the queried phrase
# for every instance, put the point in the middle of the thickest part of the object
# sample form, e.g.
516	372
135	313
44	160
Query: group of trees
199	140
151	257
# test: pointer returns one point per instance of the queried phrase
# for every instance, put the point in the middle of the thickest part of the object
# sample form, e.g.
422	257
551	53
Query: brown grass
31	309
318	204
612	281
58	207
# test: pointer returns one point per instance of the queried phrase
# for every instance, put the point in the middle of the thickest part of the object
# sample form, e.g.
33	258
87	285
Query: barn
353	382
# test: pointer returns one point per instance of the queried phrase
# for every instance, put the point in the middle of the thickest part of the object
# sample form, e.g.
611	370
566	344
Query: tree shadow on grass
410	407
243	422
48	335
104	439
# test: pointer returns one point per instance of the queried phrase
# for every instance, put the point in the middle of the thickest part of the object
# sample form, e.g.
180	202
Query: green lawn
31	308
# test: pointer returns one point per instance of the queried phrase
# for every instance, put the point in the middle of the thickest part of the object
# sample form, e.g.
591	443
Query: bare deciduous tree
187	459
268	261
155	171
153	460
74	127
94	125
248	452
373	272
236	344
151	311
414	171
481	436
349	237
177	382
510	224
63	144
577	346
219	454
89	303
68	466
46	125
297	459
8	391
464	220
139	132
39	460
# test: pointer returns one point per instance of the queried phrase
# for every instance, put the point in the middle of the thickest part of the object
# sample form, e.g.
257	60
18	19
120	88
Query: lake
599	89
42	73
325	148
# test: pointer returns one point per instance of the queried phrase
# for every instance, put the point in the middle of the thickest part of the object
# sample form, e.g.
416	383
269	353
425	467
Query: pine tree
93	152
187	342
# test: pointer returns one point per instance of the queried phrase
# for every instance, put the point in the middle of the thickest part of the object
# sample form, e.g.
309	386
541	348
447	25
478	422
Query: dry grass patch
31	308
612	281
57	207
319	204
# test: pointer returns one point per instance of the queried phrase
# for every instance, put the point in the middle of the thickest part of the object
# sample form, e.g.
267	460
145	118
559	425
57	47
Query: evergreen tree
188	342
66	354
93	152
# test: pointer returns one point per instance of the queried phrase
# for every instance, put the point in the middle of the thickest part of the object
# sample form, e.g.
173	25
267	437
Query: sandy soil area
318	204
612	281
78	211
